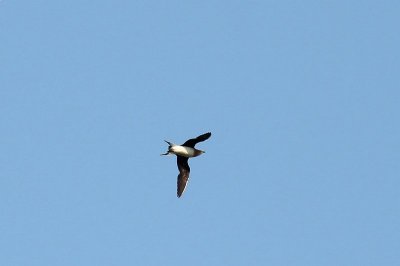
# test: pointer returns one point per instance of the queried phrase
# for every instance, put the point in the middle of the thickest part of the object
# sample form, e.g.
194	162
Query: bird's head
198	152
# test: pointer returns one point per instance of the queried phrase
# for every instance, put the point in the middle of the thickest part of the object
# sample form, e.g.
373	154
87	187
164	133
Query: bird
183	153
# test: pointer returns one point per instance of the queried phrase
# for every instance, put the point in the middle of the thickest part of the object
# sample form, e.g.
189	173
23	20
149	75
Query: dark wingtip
205	136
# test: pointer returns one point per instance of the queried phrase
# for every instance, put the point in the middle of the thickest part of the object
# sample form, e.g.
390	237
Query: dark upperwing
192	142
184	171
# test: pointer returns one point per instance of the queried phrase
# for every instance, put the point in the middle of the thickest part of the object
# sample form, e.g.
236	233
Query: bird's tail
170	144
169	147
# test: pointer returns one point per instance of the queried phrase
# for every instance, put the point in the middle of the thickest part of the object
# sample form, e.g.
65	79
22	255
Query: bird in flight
183	153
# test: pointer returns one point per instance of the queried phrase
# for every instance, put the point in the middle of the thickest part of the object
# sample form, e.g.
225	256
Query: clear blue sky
302	98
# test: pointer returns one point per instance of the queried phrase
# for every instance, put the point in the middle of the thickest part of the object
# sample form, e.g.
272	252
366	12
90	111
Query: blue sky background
302	98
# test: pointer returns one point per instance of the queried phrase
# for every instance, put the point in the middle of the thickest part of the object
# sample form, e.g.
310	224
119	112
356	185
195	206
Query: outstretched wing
183	176
192	142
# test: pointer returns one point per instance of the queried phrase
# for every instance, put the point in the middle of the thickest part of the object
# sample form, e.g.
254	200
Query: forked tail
170	144
169	148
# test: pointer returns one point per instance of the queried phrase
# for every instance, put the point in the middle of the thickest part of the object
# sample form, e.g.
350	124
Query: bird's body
183	153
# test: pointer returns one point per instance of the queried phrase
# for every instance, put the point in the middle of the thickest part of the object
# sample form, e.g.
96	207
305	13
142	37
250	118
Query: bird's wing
192	142
183	176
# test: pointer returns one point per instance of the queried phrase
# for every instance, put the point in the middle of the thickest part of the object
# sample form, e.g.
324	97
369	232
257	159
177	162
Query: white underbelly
182	151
